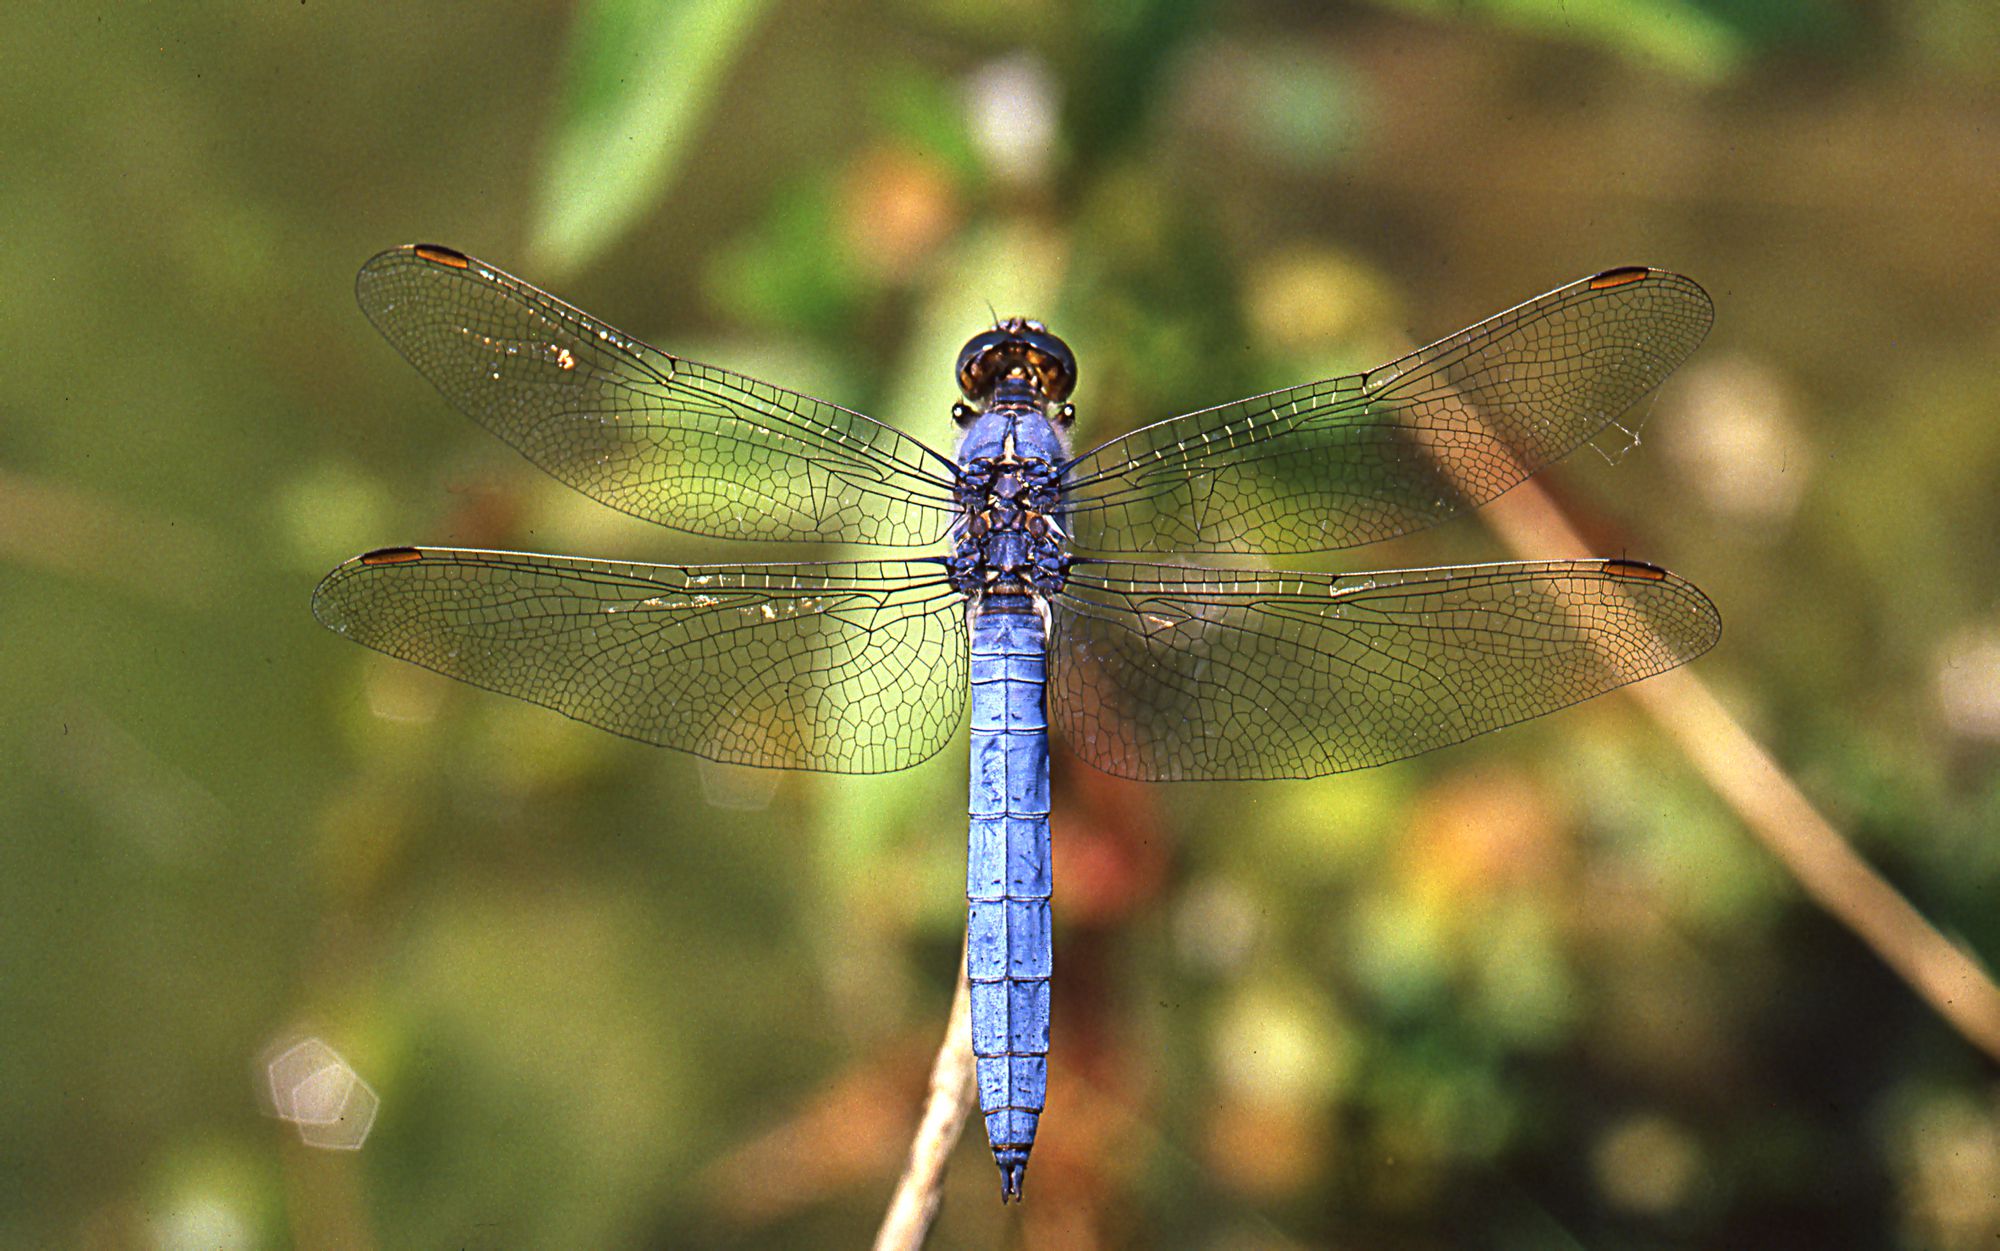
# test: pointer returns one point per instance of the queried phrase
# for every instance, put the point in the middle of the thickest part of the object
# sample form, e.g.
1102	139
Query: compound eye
1017	346
980	363
1054	364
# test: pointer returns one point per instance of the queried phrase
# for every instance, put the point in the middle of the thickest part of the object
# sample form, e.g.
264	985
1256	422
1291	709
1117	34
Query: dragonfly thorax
1010	535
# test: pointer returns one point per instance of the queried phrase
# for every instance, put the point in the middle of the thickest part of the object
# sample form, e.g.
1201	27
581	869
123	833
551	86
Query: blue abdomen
1009	952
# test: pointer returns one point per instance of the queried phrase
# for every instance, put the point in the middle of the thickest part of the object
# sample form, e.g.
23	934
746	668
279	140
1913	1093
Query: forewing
684	444
1352	460
850	667
1166	673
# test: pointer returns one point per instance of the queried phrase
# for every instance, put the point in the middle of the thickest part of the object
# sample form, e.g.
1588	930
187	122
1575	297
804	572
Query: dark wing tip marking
1635	569
391	556
438	254
1622	276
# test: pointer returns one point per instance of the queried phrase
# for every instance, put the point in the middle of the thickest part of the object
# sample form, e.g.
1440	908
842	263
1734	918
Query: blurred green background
1541	990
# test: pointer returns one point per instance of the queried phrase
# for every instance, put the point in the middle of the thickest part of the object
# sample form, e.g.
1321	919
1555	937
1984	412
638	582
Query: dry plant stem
1739	770
921	1188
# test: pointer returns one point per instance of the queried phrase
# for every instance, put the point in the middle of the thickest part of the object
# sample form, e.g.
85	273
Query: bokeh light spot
1967	682
1646	1164
308	1084
1737	445
1013	108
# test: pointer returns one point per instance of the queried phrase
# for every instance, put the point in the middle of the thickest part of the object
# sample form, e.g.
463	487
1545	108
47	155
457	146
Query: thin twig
1777	813
921	1189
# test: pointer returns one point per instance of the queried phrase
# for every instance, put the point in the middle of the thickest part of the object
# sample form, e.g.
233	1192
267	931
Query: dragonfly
1028	607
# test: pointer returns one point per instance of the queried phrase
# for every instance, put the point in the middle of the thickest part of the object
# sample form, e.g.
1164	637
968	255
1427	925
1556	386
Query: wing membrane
684	444
849	667
1353	460
1165	673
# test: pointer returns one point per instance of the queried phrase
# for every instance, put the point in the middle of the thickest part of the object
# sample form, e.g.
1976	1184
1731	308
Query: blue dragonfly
1163	672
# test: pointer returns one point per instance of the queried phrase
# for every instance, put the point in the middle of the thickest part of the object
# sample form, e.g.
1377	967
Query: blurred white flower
1738	444
1013	108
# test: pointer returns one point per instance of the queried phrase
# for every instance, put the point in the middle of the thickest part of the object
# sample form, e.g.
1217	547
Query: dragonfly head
1020	349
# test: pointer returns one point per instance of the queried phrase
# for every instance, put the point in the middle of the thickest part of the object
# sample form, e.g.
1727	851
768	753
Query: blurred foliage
1705	42
1539	990
640	78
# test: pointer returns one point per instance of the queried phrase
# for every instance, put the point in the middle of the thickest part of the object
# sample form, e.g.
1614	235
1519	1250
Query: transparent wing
850	667
1352	460
684	444
1165	673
